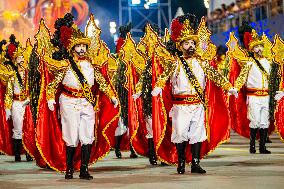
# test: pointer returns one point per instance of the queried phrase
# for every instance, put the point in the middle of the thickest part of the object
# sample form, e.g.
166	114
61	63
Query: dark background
107	10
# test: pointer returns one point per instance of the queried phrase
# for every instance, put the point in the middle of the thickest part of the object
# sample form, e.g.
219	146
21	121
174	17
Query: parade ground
229	166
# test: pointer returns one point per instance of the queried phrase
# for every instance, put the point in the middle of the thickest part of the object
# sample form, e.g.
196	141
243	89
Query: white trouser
78	120
258	111
188	123
149	128
121	128
18	112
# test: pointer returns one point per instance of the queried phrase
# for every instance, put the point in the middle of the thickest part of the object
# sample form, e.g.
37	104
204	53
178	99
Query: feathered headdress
183	28
13	49
249	37
67	35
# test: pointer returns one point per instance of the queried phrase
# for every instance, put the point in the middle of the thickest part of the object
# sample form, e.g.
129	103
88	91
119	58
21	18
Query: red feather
176	28
11	50
65	35
247	39
119	44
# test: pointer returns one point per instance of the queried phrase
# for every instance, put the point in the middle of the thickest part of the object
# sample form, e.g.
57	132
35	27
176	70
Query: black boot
195	150
263	136
132	153
17	149
117	146
28	157
152	153
181	157
70	151
85	157
252	140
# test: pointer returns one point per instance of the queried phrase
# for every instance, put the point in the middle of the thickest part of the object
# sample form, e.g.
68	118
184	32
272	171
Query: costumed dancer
16	96
196	118
257	82
122	130
84	97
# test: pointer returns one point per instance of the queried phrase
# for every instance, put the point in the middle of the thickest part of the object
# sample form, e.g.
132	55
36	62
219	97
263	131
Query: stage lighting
112	30
153	1
112	24
136	2
146	6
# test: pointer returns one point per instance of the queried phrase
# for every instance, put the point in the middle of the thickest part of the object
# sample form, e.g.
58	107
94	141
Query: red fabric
279	118
119	44
238	106
247	39
11	50
218	119
176	28
65	35
49	134
29	138
137	125
6	133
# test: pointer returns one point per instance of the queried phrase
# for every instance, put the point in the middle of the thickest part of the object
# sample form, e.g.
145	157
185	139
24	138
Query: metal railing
254	13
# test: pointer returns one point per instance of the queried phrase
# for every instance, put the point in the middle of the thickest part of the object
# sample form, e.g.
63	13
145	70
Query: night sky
107	11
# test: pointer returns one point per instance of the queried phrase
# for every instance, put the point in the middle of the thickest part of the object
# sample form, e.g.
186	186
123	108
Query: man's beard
189	52
81	53
258	53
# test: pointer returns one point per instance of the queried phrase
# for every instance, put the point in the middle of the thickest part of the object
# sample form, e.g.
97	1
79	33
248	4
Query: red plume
119	44
11	50
65	35
176	29
247	39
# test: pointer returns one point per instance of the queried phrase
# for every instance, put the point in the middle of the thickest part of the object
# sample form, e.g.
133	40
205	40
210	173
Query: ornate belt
19	97
186	99
257	92
71	92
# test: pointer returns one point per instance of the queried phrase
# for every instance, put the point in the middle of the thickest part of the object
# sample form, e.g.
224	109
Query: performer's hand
8	114
157	91
233	91
279	95
136	96
51	104
26	102
114	101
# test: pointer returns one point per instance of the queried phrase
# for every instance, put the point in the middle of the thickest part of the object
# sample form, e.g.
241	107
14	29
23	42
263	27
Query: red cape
238	106
217	119
49	134
6	127
137	125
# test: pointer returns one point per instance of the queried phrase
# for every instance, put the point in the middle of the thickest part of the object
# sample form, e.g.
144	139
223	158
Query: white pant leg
70	120
87	125
149	127
258	112
18	112
188	123
121	128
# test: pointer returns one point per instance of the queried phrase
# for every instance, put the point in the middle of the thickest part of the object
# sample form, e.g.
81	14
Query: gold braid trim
103	85
9	93
52	86
138	86
169	68
242	78
215	76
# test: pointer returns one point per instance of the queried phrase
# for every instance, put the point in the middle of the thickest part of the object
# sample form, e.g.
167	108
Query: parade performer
122	133
80	92
185	99
16	93
256	77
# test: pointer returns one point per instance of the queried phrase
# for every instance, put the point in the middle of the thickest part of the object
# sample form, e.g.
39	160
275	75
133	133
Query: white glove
51	104
8	114
279	95
233	91
114	101
157	91
136	96
26	102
